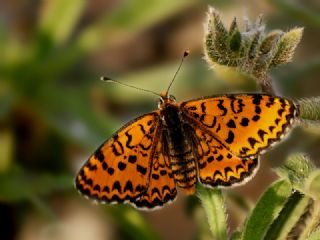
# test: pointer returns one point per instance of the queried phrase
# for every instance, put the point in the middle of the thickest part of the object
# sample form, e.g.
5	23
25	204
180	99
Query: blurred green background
54	111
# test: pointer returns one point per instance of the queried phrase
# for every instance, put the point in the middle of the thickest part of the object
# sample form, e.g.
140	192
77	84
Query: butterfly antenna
185	54
109	80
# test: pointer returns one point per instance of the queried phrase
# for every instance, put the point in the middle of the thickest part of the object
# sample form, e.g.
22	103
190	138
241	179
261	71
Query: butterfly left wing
119	170
161	186
244	124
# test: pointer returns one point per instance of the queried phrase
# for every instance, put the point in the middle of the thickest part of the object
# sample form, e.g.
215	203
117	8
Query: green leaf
288	217
269	41
315	235
286	46
312	185
310	108
296	169
267	210
214	206
235	41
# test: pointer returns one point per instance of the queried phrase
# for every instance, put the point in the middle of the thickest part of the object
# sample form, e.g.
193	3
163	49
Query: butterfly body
177	136
215	141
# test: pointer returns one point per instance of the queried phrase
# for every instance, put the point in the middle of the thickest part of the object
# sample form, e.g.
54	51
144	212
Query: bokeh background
54	111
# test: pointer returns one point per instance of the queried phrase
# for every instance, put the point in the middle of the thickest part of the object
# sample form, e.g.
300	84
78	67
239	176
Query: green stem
214	206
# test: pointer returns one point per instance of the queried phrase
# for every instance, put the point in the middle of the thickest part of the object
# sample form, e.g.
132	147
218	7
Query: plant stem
214	206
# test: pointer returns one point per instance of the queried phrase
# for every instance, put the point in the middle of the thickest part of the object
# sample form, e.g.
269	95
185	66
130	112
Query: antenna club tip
105	79
186	53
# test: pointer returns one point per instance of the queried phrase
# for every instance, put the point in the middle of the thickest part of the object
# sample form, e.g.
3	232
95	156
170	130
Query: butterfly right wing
246	124
217	166
119	170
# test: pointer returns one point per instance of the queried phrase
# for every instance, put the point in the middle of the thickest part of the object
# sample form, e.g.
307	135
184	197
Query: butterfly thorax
176	135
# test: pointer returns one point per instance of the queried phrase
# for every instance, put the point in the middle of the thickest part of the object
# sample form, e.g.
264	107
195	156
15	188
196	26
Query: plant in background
252	51
290	207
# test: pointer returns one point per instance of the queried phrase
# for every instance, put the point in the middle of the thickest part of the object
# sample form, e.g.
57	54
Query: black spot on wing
88	181
252	141
237	105
202	165
97	188
110	171
203	107
155	176
231	124
256	99
128	142
128	186
271	128
142	129
106	189
145	147
116	186
255	118
280	112
244	150
163	172
244	122
93	167
270	102
117	148
261	134
258	110
122	166
104	166
230	137
219	158
210	159
132	159
221	107
99	155
141	169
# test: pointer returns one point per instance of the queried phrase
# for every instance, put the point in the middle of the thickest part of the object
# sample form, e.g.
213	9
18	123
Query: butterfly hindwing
161	187
119	170
217	166
245	124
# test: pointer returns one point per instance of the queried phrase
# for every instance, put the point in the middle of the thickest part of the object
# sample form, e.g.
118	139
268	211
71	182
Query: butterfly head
165	99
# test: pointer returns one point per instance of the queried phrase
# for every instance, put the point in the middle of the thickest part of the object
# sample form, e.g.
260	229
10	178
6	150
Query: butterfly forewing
120	168
245	124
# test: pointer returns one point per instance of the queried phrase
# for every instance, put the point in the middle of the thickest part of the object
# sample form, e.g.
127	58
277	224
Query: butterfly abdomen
183	162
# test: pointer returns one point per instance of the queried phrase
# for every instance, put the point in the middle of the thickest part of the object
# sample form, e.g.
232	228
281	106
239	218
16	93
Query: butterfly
214	140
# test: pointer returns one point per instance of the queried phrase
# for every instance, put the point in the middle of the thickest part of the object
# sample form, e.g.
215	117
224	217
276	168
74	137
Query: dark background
54	111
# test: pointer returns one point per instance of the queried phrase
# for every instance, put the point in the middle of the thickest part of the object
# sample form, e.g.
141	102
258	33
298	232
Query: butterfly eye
171	97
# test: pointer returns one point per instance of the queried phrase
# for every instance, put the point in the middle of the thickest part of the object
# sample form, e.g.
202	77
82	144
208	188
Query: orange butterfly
212	140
